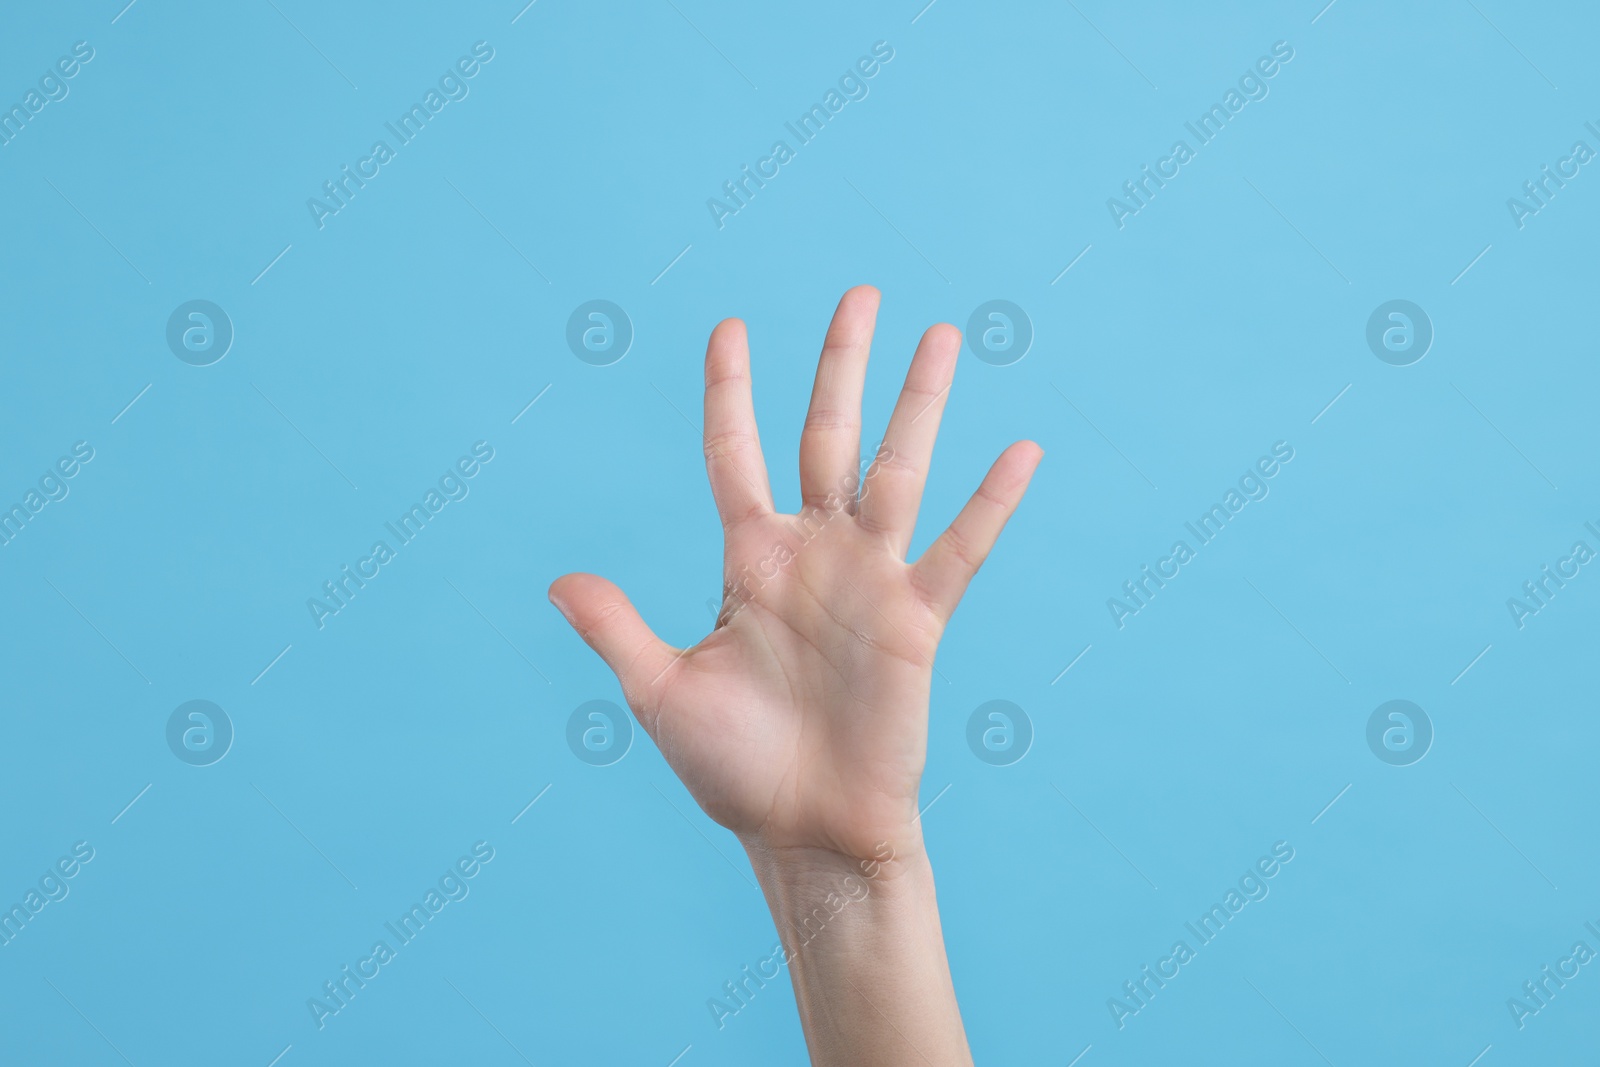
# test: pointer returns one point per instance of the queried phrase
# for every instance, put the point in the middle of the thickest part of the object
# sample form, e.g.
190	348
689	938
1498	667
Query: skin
800	722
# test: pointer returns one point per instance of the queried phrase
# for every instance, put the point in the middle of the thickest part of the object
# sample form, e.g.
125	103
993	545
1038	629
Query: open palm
801	720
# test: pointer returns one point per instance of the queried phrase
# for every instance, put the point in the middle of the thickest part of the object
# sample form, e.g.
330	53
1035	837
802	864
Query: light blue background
411	326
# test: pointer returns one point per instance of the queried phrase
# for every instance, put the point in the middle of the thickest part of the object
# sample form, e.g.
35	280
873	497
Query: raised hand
801	720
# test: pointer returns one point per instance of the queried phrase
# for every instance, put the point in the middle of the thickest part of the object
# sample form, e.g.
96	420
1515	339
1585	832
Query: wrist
889	857
862	941
816	867
811	889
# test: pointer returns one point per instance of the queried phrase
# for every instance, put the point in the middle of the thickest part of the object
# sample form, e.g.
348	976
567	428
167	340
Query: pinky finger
950	562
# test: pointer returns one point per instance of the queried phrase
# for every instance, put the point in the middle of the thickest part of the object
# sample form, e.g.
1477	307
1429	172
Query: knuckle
990	495
962	550
873	521
894	463
605	615
726	442
719	373
737	518
829	419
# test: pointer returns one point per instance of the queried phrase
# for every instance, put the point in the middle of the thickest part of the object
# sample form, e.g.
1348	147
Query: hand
800	723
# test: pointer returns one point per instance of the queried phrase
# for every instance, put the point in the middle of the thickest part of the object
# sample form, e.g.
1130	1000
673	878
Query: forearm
866	956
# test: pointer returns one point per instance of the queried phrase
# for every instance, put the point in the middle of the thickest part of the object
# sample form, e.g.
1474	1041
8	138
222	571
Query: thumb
608	622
